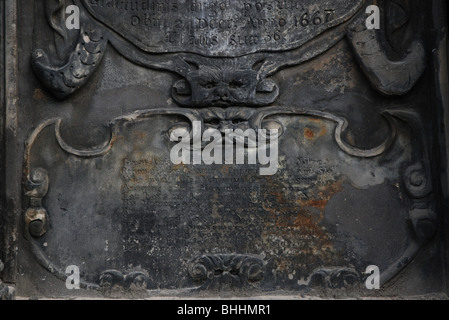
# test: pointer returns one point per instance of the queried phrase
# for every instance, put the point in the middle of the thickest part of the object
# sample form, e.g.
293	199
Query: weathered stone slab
238	148
159	217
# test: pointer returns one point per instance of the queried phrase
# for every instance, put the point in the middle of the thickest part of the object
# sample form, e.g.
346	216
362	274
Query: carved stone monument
197	148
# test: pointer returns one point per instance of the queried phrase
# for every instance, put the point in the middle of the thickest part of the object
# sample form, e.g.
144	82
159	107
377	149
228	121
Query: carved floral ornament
225	83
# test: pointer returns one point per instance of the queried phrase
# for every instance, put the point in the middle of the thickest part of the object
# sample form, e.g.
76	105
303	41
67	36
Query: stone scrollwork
236	79
239	271
36	218
417	184
133	282
335	278
230	271
82	60
417	180
6	292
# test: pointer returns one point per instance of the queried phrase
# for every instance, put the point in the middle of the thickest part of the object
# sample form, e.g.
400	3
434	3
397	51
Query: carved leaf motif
55	14
82	62
80	51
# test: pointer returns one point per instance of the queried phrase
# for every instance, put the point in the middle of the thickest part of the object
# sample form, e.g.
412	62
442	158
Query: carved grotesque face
214	86
223	83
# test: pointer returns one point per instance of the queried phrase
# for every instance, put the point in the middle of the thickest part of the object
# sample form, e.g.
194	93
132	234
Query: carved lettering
228	200
212	26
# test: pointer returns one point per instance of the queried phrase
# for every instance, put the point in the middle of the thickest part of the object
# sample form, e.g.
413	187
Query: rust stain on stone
315	132
141	135
308	133
114	140
296	220
39	95
324	194
350	138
